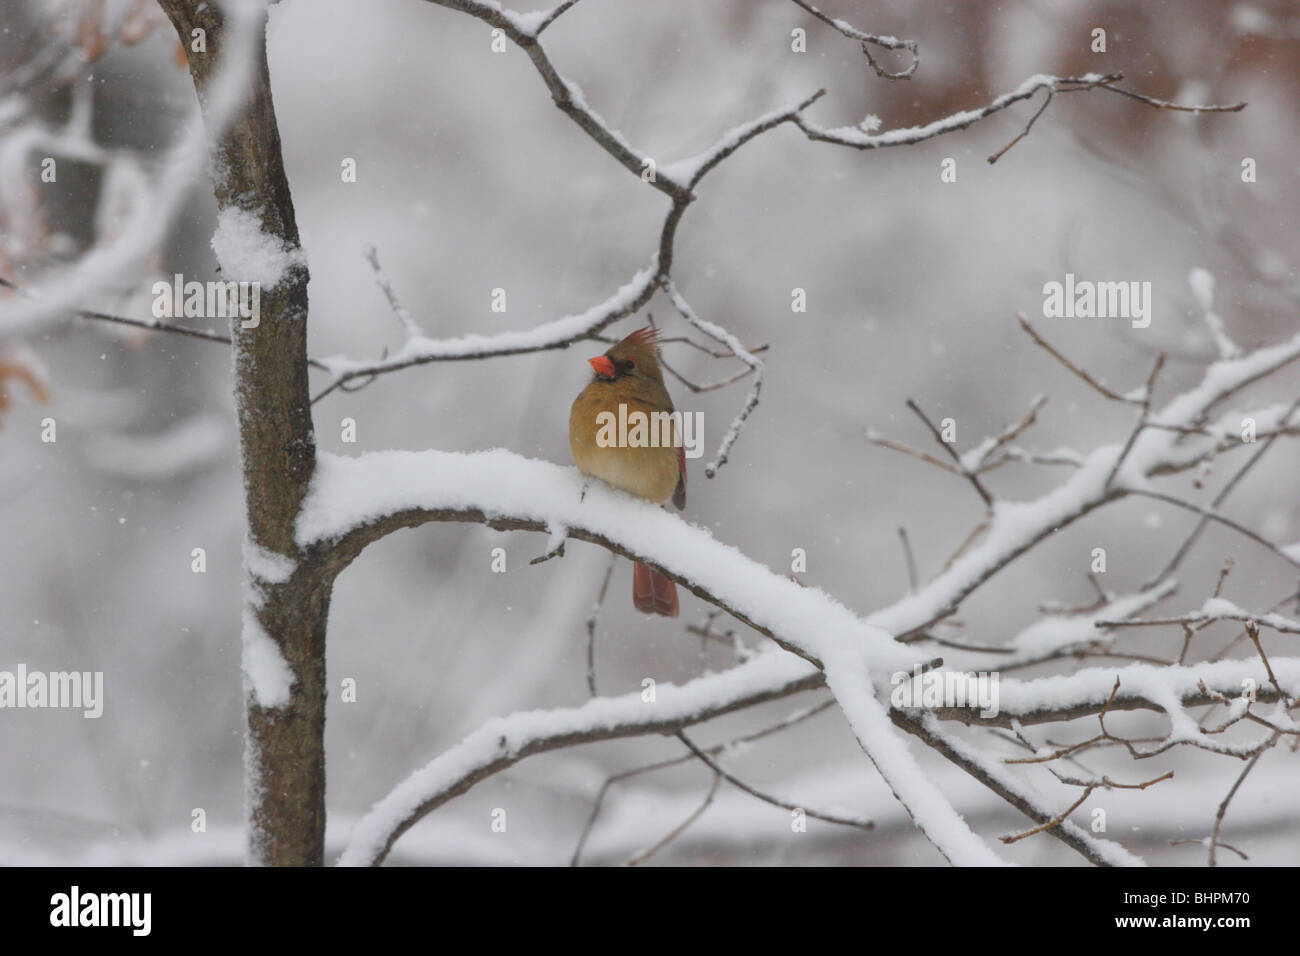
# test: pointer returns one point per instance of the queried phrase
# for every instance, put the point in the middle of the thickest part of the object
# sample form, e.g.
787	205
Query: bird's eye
629	365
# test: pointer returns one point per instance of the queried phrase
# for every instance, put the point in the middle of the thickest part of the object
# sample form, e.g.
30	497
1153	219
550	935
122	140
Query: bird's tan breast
645	471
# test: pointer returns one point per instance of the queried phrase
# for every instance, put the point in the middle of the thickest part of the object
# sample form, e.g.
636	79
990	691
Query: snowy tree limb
356	501
797	716
868	40
565	331
989	772
1142	687
676	180
859	138
502	742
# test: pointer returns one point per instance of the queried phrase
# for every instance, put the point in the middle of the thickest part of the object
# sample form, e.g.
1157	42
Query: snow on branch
934	815
858	138
354	501
504	741
357	500
1214	609
1059	633
1107	473
1168	688
688	172
534	23
418	349
1015	790
868	40
677	180
559	333
523	30
1202	283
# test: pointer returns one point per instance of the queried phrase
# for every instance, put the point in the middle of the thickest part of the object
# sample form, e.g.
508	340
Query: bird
629	374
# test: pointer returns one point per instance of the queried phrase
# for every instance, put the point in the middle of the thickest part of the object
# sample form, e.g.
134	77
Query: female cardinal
629	375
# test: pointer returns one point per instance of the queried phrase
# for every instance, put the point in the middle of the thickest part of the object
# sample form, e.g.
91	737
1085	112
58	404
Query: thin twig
1206	842
1232	792
1215	516
883	442
708	386
1200	619
552	14
1028	126
789	720
1147	395
151	325
1252	629
767	798
884	42
911	561
1084	376
1010	433
409	325
1166	105
591	627
681	827
965	473
1226	490
721	335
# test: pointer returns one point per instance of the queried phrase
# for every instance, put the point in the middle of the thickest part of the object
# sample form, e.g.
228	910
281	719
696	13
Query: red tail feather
653	593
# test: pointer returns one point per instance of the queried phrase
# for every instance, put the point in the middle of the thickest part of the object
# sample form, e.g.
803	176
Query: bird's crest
647	336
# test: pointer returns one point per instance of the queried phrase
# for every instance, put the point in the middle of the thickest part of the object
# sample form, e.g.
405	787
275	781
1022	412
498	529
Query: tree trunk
286	594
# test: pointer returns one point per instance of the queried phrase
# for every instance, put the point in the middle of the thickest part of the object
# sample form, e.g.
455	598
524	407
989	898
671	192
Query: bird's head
636	358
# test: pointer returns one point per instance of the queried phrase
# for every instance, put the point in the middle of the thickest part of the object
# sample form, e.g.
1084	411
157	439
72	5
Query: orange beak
603	365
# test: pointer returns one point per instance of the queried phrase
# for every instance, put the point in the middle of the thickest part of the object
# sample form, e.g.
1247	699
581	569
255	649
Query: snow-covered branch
677	180
1169	688
1214	609
523	30
1015	790
356	501
556	334
504	741
418	349
870	39
1015	527
859	138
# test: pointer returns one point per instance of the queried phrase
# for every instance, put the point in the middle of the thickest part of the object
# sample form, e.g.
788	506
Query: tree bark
284	746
